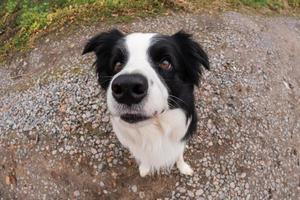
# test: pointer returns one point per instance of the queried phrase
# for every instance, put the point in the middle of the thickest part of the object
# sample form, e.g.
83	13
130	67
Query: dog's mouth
134	118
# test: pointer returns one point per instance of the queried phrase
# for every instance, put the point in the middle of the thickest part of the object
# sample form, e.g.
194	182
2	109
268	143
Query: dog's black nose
129	88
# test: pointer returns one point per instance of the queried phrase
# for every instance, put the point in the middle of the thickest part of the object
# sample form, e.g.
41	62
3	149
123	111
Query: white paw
184	168
144	170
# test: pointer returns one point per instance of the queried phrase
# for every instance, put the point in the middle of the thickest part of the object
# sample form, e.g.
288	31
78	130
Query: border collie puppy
149	79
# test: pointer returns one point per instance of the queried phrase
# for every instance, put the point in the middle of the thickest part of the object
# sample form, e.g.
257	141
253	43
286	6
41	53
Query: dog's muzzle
129	90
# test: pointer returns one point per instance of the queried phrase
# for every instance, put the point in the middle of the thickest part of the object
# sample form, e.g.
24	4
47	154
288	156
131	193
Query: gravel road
56	141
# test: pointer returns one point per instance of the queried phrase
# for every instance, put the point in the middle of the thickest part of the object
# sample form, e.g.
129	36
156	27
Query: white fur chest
155	143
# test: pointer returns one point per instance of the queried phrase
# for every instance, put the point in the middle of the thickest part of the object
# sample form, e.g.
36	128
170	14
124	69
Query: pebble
207	172
76	193
243	175
190	194
94	151
68	148
61	149
232	185
81	138
105	119
199	192
142	195
134	188
101	184
181	190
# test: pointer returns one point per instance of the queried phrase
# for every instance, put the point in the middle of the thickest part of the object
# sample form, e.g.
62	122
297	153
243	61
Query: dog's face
146	74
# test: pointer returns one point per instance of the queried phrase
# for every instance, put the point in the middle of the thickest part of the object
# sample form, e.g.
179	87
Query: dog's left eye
165	64
118	66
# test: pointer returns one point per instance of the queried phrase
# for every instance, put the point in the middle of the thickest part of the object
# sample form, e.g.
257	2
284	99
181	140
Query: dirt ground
56	141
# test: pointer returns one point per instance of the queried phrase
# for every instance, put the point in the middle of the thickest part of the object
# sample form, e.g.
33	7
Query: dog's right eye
118	67
165	64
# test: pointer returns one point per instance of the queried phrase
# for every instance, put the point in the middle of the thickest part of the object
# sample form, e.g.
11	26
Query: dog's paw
144	171
184	168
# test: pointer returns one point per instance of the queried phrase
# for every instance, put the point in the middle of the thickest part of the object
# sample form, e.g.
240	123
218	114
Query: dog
149	79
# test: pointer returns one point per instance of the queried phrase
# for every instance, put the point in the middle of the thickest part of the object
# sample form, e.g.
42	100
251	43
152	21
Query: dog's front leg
144	170
183	167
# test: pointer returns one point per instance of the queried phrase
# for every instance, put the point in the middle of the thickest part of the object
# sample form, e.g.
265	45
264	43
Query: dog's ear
193	54
103	41
102	45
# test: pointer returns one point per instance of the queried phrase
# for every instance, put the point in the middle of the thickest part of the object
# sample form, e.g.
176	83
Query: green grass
259	3
276	5
22	21
272	3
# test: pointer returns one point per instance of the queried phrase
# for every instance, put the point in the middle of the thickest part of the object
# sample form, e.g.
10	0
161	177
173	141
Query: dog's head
146	74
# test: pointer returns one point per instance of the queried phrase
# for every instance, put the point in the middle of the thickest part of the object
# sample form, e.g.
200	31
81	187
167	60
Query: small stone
105	119
199	192
7	180
181	190
232	185
142	195
191	194
76	193
209	124
67	128
81	138
101	184
243	175
221	195
248	197
100	166
134	188
61	149
94	107
219	142
207	172
215	183
94	151
54	152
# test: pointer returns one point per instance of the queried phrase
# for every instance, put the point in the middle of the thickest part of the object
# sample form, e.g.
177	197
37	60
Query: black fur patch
187	58
109	49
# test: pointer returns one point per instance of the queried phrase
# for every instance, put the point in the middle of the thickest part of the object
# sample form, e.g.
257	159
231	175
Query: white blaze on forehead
137	47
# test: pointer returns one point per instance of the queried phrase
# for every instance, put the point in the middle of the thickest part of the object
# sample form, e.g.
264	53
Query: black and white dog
149	79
